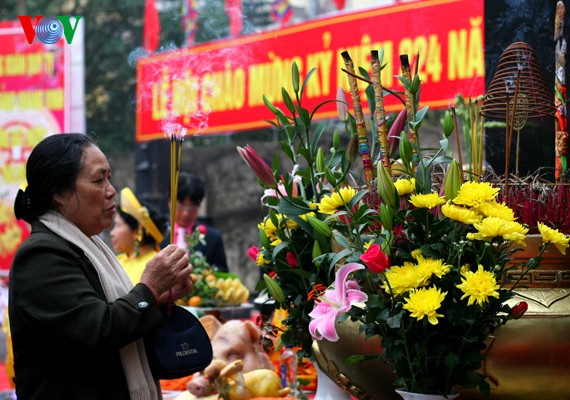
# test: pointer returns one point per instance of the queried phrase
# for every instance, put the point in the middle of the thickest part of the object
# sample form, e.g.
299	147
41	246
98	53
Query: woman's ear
59	199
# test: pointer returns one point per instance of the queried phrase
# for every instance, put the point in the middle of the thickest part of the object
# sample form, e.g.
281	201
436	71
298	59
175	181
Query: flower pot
529	358
419	396
367	380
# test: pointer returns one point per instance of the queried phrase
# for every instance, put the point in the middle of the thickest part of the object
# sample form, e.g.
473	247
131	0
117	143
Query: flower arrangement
212	288
408	249
432	286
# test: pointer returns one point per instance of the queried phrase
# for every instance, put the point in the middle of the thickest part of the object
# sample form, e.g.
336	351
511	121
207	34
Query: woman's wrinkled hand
167	275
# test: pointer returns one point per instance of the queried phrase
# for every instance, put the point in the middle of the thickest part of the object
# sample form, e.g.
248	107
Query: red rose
252	253
376	260
291	259
518	310
202	229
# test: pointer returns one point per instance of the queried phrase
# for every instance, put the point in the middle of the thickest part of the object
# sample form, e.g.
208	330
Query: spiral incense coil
519	57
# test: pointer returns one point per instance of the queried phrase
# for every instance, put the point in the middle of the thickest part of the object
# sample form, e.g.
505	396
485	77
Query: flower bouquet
404	246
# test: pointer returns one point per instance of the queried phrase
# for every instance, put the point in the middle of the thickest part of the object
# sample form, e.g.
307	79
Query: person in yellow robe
136	234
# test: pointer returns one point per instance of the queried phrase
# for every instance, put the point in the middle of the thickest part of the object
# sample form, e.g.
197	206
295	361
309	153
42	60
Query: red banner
218	87
35	101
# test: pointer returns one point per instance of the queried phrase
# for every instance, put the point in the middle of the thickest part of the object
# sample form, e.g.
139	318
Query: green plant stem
409	356
525	268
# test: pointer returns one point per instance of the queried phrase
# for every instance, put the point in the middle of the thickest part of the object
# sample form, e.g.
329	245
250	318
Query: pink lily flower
334	302
396	129
341	105
258	165
280	191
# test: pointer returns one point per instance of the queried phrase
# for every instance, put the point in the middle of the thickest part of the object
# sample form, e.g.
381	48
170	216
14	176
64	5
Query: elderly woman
77	321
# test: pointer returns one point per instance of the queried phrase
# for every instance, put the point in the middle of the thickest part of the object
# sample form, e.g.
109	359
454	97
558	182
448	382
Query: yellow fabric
131	206
134	267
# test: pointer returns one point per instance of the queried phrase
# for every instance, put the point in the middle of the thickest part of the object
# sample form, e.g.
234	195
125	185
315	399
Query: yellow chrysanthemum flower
335	201
478	286
271	230
268	228
464	268
499	210
405	186
402	278
261	260
430	266
424	303
416	253
492	227
472	194
430	200
461	214
554	236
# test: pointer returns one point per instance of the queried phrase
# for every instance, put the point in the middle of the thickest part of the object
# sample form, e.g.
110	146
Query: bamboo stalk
359	118
407	74
379	111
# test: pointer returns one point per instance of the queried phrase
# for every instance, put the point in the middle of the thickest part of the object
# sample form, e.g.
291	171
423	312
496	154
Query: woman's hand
167	275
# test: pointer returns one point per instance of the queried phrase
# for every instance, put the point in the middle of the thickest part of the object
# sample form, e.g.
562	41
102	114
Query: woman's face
122	236
91	207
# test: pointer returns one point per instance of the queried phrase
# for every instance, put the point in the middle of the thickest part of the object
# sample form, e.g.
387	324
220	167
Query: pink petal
340	278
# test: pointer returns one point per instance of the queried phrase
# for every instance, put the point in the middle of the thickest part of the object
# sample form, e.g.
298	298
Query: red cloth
233	9
4	381
151	30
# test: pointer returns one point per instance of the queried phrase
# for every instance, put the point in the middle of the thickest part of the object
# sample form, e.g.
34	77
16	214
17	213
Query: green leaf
264	239
311	72
293	206
405	82
420	115
305	117
317	134
269	105
339	256
371	100
287	100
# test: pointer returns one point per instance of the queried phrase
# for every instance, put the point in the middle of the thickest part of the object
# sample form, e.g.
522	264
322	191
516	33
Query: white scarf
116	283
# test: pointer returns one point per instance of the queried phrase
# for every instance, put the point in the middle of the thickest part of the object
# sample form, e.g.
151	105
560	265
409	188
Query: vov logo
49	29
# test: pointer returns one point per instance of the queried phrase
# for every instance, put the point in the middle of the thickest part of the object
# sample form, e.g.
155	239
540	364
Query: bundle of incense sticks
176	140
